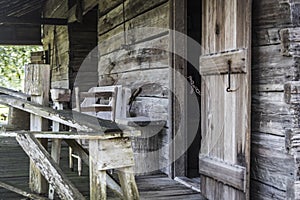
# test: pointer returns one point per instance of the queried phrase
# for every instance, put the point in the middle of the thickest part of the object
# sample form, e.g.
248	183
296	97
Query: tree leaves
12	62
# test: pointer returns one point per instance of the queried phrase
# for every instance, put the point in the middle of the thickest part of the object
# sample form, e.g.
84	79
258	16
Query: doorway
194	8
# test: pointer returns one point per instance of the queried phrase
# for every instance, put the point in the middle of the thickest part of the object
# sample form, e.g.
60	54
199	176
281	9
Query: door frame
178	97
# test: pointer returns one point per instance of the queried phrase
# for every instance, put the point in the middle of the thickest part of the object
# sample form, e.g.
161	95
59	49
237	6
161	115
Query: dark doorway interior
194	11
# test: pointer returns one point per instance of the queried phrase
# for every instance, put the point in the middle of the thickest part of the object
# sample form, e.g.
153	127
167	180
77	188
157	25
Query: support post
58	96
37	84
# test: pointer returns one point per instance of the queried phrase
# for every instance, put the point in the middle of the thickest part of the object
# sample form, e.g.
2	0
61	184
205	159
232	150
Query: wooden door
225	68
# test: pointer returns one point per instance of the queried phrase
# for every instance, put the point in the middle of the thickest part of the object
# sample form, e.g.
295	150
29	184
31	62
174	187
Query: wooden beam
70	135
219	63
48	167
70	118
21	192
14	93
228	174
29	21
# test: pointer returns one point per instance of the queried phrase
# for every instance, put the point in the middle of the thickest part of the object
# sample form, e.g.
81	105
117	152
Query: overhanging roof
12	12
21	20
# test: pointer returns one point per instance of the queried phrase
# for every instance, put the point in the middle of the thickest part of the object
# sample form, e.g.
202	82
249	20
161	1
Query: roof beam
31	21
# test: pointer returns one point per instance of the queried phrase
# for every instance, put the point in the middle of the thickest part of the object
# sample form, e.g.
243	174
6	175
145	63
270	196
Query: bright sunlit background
12	62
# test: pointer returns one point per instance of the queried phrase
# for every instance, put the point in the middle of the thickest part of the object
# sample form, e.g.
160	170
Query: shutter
224	158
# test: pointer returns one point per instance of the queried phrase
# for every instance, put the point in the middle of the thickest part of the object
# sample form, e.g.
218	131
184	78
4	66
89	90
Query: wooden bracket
218	63
232	175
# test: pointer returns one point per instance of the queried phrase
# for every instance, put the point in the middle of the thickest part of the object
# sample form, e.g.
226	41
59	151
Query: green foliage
12	62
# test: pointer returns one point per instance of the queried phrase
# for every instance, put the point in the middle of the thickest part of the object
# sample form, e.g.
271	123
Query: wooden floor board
14	170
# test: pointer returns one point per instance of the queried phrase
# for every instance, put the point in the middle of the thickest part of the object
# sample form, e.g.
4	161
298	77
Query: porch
150	187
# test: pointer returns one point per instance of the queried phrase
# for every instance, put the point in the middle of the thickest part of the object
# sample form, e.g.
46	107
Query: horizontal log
42	21
269	13
270	67
220	63
266	36
271	164
133	9
154	82
228	174
71	135
263	191
145	27
267	88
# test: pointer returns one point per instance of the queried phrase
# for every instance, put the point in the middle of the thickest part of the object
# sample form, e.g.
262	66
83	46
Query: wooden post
112	154
58	96
128	184
37	84
97	178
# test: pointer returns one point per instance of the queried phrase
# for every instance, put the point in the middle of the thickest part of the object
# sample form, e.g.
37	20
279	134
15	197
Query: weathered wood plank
147	26
269	13
146	55
228	174
49	168
132	9
71	135
156	78
70	118
14	93
269	154
270	67
220	63
262	191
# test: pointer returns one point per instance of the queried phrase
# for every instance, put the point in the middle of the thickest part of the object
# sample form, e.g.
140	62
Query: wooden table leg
128	184
97	177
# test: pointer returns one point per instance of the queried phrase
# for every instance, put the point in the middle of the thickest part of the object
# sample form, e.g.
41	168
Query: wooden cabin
222	74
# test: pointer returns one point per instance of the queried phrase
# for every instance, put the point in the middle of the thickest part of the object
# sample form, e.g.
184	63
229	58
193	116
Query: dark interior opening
194	10
83	38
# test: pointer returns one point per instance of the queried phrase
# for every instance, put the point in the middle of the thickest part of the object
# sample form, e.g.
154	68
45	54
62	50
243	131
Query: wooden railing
110	148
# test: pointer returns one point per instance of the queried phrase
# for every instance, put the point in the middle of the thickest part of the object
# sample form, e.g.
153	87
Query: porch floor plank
14	170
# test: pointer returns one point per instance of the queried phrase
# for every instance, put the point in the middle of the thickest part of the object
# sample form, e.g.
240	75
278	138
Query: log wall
69	46
56	41
274	121
139	58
